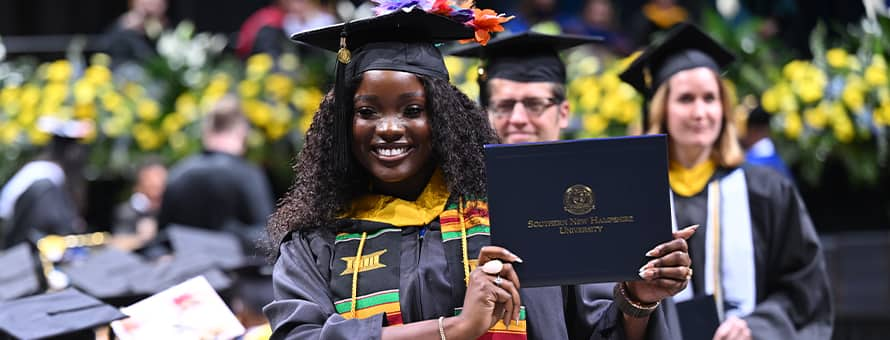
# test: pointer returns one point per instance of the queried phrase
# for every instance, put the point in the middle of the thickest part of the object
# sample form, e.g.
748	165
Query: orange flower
486	21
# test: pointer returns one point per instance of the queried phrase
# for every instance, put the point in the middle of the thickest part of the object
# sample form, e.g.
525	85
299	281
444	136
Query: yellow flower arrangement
159	112
838	57
876	72
831	105
606	105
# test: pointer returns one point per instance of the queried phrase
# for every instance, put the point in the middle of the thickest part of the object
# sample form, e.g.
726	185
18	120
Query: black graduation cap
108	274
524	57
68	314
223	248
403	40
168	273
195	251
684	47
21	273
122	278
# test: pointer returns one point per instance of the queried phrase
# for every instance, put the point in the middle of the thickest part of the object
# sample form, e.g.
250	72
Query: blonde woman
758	256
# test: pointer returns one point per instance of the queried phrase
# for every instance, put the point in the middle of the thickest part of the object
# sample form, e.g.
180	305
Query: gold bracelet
627	306
441	328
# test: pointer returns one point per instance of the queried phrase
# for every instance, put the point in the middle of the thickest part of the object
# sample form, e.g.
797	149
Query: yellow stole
401	213
689	182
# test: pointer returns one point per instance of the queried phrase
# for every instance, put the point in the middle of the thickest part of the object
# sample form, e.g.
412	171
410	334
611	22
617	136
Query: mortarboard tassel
341	117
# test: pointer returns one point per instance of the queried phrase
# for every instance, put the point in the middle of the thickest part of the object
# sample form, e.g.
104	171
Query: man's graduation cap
524	57
68	314
21	273
684	47
402	40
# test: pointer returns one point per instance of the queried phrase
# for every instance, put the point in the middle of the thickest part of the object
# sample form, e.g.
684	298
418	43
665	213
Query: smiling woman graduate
387	223
757	254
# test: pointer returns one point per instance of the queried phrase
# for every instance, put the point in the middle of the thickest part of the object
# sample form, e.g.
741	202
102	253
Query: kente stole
372	231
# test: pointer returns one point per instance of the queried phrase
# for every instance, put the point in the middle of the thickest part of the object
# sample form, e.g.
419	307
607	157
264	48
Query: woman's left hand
733	328
668	273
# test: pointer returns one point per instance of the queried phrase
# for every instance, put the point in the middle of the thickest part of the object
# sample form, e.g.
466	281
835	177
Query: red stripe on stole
456	219
502	336
394	318
476	212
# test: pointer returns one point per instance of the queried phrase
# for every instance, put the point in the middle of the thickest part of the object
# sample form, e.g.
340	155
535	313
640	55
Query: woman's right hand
486	302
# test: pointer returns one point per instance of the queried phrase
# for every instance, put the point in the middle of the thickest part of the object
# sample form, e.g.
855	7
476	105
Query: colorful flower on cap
486	21
483	21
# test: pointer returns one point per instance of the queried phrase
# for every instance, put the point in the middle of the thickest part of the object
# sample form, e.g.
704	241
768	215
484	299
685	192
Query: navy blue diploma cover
579	211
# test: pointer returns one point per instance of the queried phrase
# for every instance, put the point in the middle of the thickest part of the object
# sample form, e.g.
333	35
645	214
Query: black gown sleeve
303	307
794	299
597	317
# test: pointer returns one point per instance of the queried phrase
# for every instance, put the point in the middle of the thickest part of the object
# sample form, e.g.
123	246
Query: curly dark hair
322	189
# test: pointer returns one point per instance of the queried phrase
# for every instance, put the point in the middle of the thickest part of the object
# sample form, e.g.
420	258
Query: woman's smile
391	152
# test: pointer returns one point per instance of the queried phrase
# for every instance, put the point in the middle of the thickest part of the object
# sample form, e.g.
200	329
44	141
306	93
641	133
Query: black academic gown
793	298
44	208
216	191
430	285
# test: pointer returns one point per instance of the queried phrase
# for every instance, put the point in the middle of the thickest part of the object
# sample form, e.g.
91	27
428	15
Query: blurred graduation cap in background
223	248
68	314
122	278
524	57
684	47
21	273
108	274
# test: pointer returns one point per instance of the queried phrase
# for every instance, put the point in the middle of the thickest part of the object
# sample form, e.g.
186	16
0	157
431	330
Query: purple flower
462	15
389	6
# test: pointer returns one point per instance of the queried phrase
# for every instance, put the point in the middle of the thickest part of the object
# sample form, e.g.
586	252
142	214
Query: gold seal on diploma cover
578	199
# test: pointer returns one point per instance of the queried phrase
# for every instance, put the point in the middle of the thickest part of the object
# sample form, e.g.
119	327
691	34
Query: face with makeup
391	131
694	108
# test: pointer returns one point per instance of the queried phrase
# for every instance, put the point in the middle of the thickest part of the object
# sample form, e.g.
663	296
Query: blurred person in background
759	147
136	219
655	17
536	15
758	258
268	29
218	189
597	20
48	195
134	34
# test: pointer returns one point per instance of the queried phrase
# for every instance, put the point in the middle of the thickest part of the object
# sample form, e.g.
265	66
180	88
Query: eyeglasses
533	106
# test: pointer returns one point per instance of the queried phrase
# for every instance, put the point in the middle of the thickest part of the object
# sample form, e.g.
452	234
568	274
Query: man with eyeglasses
522	84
